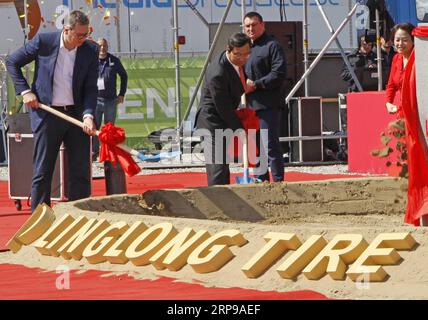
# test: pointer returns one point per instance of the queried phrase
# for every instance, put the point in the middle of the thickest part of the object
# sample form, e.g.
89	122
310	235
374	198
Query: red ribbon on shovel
249	120
110	136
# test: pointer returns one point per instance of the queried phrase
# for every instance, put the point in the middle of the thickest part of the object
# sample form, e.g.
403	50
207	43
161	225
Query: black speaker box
306	120
20	159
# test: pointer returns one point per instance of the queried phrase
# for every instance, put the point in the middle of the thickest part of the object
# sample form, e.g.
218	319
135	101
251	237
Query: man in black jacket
266	72
362	60
221	95
108	99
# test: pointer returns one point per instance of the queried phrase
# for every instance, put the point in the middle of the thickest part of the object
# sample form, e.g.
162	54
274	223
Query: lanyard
104	67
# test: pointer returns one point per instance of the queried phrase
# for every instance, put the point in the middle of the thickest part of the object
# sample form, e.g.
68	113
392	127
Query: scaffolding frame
308	69
175	28
3	107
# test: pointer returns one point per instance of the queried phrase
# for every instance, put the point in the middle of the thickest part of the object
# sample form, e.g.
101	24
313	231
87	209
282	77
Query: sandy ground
408	280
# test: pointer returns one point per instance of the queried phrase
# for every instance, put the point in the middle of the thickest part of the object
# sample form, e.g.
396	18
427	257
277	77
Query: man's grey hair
76	17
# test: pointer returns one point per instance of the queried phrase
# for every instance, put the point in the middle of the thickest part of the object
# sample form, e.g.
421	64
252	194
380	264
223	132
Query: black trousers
269	144
217	160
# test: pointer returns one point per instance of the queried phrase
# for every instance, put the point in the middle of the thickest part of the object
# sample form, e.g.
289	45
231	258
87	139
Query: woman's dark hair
408	27
238	40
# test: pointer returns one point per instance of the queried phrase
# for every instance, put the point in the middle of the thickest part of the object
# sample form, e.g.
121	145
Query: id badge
100	84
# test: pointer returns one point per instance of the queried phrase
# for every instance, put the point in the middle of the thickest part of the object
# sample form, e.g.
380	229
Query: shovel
245	179
129	150
80	124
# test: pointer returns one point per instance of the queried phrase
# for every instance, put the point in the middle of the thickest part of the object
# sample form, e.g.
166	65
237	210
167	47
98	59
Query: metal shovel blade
159	157
245	179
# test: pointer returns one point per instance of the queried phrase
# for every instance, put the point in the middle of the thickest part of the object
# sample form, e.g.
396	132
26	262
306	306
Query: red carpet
37	284
18	282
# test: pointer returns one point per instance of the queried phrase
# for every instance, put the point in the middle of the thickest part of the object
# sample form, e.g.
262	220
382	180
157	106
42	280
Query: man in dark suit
363	60
65	77
221	95
266	72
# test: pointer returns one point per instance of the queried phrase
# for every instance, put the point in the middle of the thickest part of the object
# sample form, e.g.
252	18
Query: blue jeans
108	108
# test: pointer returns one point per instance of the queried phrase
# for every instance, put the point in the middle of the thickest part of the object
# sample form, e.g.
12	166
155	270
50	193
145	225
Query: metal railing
159	54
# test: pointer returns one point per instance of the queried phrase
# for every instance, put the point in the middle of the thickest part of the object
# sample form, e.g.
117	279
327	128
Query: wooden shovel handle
244	143
80	124
63	116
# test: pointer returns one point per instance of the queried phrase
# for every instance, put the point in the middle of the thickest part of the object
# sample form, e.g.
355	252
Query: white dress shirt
62	91
243	99
233	65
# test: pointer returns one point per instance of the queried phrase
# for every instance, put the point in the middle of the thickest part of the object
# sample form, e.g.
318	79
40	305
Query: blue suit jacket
43	49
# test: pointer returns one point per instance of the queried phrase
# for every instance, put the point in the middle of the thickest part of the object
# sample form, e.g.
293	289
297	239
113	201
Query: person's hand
391	107
120	99
89	126
251	86
372	66
30	100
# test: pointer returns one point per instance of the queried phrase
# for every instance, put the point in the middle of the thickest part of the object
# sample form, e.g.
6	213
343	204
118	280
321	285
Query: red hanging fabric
417	151
110	136
420	32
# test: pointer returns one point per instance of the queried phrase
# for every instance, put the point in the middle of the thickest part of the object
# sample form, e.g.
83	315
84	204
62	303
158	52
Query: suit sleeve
19	59
91	88
223	102
346	75
123	78
277	75
392	87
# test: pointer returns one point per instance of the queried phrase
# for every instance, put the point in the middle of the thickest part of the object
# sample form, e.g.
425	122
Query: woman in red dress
403	80
404	43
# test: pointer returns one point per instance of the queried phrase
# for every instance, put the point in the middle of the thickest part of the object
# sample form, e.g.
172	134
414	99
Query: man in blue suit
65	78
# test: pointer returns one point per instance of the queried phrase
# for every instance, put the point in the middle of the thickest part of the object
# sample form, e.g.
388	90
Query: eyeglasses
80	35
